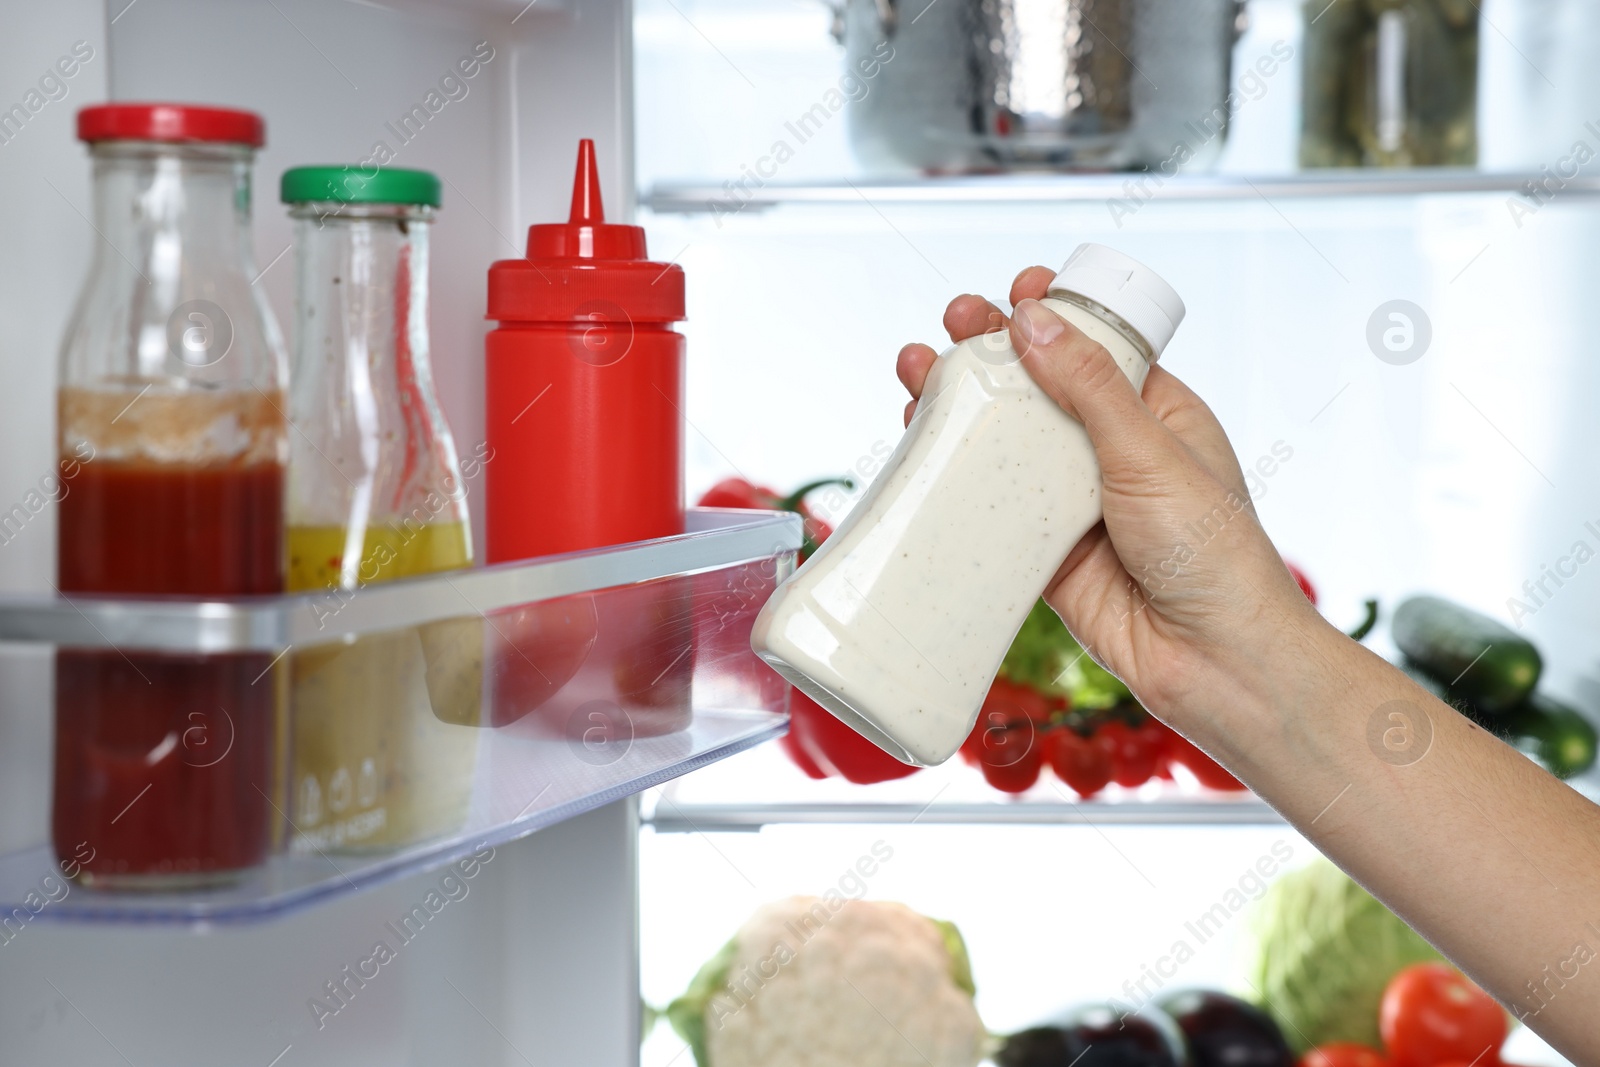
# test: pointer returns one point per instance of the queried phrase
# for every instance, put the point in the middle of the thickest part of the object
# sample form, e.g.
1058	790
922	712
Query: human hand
1178	590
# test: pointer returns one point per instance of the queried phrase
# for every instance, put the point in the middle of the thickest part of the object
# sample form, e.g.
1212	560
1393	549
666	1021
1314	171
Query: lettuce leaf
1044	655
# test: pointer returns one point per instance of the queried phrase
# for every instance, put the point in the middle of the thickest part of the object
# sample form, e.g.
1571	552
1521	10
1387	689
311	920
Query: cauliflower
812	982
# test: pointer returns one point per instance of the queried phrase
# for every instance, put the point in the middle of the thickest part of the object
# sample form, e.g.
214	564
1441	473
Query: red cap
171	122
585	266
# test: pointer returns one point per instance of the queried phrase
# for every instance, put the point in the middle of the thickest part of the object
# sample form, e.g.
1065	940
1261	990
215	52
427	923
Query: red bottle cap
171	123
585	269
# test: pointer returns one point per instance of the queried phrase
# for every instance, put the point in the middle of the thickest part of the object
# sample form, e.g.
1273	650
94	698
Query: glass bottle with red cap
171	399
584	382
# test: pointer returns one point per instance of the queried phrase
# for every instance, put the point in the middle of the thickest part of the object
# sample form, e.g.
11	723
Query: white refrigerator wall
45	244
533	960
47	240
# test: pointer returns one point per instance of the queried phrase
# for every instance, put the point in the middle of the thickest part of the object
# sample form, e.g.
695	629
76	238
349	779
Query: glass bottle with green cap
384	743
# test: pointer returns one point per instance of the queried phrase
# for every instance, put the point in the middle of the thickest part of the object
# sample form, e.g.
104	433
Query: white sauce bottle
899	622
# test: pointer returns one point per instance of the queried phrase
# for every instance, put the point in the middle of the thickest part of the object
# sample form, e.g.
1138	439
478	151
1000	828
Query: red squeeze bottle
584	384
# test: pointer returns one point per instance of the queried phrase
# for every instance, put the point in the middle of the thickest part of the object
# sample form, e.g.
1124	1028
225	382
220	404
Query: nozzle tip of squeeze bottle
587	207
1120	283
586	234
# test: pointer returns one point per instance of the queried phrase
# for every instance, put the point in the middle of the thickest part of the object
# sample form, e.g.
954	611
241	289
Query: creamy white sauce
899	622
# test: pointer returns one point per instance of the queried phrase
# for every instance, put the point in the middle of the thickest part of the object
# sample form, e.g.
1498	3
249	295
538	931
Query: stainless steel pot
1063	84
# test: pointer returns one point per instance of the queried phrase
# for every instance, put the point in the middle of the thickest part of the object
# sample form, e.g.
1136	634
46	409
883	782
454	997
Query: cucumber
1472	654
1558	736
1442	692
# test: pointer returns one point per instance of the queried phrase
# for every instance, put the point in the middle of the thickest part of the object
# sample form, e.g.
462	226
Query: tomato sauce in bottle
167	765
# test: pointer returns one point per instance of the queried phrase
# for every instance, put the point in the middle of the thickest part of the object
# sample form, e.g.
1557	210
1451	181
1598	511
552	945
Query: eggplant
1097	1035
1224	1031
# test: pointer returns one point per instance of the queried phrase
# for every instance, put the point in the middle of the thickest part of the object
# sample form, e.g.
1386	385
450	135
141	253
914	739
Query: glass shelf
534	784
231	761
700	198
763	788
715	537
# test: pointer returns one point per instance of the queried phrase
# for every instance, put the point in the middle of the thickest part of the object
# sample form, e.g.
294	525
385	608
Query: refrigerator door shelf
715	538
357	736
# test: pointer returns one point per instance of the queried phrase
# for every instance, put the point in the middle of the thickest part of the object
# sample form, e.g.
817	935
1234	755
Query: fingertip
911	366
1032	283
959	306
969	315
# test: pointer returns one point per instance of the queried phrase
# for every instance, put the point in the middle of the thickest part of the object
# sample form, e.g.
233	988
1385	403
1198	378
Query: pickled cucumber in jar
1390	83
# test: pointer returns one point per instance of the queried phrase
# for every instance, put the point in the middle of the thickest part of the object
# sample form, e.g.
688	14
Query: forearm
1487	855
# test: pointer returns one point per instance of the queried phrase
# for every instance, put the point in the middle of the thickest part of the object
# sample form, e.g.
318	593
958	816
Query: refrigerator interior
1463	472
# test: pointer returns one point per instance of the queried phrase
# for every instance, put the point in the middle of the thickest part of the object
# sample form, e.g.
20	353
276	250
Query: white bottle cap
1122	284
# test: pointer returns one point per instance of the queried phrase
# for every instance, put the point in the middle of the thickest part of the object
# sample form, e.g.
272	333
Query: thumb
1080	375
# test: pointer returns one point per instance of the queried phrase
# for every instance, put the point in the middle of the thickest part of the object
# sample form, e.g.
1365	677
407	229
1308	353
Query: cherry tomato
1018	777
1006	703
1343	1054
1208	771
969	747
1085	768
1023	700
1303	582
992	716
1159	737
1432	1014
1010	755
1106	745
1133	757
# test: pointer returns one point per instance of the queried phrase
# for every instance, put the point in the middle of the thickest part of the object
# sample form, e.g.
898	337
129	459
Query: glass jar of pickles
1390	83
383	738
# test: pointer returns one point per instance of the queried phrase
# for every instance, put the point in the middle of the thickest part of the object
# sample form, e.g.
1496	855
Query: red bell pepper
790	742
738	493
833	748
1303	582
817	742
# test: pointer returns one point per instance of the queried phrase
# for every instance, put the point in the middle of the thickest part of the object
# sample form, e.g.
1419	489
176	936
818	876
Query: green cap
355	184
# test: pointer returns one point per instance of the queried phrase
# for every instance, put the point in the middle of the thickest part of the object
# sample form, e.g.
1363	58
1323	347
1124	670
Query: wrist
1257	689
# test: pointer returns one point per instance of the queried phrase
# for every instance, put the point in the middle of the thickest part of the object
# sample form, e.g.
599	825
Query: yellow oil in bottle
384	738
317	554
